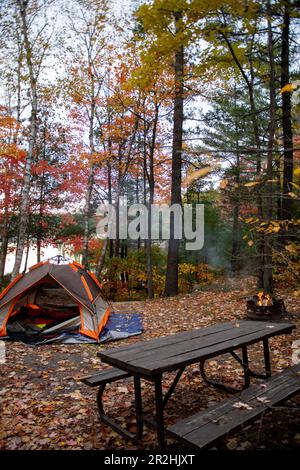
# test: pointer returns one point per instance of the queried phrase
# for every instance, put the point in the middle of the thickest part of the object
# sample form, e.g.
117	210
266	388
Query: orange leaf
289	87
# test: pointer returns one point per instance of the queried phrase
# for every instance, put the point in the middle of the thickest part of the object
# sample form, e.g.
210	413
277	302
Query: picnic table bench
150	360
206	428
101	379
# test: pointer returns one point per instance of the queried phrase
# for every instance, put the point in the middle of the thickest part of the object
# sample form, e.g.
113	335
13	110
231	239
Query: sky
48	252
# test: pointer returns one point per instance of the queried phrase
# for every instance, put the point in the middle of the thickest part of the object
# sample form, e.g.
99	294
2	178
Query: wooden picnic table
150	359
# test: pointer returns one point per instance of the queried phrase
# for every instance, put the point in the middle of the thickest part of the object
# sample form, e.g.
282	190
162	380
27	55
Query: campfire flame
263	305
264	299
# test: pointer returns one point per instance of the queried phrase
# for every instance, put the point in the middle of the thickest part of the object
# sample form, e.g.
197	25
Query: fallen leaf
263	399
242	406
231	444
251	184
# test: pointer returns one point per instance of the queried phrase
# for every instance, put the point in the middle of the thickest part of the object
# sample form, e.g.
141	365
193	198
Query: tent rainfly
54	298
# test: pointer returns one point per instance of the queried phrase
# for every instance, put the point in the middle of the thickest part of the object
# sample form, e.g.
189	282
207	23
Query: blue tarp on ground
119	326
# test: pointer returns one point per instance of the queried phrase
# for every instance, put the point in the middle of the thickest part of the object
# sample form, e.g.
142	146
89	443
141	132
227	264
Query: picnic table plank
174	355
174	361
186	343
106	376
176	338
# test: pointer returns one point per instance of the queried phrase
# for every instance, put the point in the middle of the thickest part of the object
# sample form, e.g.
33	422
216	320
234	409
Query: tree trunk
171	285
111	242
41	204
145	177
151	181
117	240
40	227
286	205
5	232
27	254
86	212
19	78
118	195
90	184
3	252
268	268
150	288
101	259
235	249
24	206
38	249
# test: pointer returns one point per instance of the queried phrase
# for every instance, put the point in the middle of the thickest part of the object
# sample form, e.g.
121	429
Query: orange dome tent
57	295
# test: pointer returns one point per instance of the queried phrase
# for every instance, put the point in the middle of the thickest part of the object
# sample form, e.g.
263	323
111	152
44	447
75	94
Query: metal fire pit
274	310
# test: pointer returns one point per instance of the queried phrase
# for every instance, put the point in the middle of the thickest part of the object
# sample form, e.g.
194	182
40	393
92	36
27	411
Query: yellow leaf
289	87
296	185
196	175
291	248
297	172
252	183
250	242
292	195
232	444
223	184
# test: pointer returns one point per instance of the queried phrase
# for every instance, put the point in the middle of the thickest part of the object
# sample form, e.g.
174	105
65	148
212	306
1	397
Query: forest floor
45	406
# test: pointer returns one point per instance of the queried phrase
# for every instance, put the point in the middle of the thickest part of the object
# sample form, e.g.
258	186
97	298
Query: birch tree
35	45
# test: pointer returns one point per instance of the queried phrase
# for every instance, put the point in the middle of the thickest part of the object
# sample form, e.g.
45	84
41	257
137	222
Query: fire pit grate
262	306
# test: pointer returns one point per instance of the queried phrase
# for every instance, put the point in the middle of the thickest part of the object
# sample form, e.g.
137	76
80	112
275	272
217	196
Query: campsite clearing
45	406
